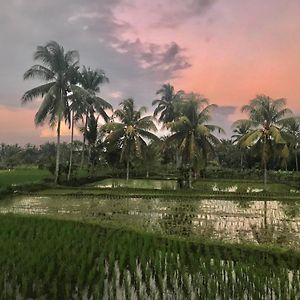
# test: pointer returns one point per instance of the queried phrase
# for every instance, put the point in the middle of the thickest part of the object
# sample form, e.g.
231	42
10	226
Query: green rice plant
64	260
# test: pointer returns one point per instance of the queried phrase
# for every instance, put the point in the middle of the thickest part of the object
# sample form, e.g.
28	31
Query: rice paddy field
12	177
233	221
51	259
110	241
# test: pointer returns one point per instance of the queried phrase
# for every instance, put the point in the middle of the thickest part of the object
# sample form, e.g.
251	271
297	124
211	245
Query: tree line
70	94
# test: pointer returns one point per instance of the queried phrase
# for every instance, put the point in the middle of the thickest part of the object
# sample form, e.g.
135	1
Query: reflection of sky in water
229	220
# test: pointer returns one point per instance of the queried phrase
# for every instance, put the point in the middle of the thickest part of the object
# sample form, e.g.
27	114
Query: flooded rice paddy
136	183
275	222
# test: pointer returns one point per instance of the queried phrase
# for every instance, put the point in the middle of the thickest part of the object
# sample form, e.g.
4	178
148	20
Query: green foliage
166	105
58	68
131	133
264	128
191	134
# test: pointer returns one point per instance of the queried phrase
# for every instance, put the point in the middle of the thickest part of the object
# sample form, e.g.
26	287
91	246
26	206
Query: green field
136	242
22	176
48	259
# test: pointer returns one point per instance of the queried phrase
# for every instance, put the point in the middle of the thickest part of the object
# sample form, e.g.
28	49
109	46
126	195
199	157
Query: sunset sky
226	50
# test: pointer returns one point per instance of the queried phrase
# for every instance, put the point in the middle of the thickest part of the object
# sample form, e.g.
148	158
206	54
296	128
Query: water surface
259	221
137	183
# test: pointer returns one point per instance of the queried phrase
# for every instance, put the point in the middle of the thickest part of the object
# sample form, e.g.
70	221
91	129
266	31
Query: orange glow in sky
227	50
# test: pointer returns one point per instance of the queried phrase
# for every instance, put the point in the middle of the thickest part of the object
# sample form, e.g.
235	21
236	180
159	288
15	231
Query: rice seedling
51	259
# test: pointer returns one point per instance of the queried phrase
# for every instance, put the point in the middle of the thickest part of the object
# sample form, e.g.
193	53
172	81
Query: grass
22	176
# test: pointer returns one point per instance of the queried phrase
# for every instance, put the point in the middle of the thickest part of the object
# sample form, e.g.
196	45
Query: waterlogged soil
276	222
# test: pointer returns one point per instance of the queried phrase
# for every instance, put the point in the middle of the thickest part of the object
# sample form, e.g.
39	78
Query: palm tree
91	137
292	130
266	120
91	80
78	107
166	105
57	68
130	133
191	134
240	131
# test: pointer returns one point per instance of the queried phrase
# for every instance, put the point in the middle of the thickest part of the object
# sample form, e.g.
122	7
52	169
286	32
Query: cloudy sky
227	50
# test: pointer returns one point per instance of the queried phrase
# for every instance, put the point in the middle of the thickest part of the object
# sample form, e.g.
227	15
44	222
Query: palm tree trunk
265	162
83	142
296	159
241	161
127	169
89	163
190	177
265	214
57	153
265	176
71	150
91	160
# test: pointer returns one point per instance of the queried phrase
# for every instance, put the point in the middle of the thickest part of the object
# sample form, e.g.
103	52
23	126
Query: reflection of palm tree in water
243	203
265	214
264	232
291	208
267	232
178	219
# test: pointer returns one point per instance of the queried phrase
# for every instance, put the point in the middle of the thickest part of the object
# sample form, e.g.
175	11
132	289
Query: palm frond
39	91
276	135
46	108
40	72
251	138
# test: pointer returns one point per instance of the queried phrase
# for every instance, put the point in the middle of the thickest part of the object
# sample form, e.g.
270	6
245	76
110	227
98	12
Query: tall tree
191	133
91	136
166	105
267	118
228	154
57	68
292	132
78	108
239	132
91	81
131	133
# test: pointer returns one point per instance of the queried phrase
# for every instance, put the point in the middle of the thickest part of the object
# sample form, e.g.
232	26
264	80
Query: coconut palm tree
239	132
267	118
191	133
78	106
91	137
166	105
292	130
57	68
91	81
131	133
